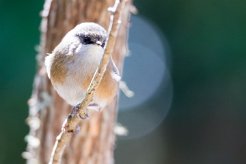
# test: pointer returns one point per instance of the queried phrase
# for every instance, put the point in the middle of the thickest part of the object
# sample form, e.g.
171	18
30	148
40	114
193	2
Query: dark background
206	123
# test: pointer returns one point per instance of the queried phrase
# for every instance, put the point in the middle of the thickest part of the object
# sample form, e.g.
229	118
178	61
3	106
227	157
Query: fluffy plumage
74	61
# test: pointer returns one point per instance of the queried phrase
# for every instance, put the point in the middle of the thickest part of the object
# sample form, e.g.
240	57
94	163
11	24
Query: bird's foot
84	114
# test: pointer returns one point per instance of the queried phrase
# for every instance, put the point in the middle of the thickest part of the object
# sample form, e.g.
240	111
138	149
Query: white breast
86	61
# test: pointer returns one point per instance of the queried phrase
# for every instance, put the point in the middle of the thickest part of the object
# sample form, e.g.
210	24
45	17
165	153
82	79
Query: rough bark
94	143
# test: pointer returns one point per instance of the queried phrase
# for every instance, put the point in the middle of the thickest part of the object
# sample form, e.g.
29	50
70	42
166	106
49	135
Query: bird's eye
87	40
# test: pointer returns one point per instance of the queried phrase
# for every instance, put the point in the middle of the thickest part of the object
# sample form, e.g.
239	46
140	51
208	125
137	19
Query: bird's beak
99	43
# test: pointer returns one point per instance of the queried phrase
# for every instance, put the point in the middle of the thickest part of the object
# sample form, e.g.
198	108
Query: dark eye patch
103	44
91	39
87	40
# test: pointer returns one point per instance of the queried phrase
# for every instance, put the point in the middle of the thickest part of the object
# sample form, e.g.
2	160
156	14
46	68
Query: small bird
74	61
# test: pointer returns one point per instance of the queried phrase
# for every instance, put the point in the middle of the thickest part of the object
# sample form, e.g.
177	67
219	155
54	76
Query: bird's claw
84	116
75	111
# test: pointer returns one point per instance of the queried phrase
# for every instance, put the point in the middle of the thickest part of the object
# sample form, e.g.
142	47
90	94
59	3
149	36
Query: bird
73	62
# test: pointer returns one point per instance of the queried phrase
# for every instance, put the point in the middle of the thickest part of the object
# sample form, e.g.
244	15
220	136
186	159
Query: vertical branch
72	121
95	142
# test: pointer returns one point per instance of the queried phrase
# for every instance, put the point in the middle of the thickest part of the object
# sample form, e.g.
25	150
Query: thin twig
72	120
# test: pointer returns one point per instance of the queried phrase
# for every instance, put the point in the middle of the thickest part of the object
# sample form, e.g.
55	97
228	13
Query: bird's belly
70	91
77	80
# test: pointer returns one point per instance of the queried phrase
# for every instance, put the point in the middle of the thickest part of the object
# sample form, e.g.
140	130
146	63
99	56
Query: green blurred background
207	121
